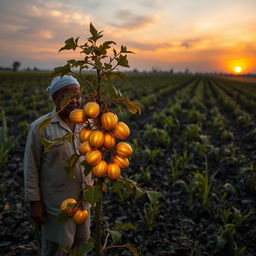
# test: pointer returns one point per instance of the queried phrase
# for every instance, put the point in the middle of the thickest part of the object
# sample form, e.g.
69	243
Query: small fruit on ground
109	120
85	147
77	116
123	149
80	216
113	171
84	134
121	130
68	206
109	140
92	109
93	157
100	169
122	162
96	139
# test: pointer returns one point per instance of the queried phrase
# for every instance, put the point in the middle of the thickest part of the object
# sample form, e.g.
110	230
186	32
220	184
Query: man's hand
37	212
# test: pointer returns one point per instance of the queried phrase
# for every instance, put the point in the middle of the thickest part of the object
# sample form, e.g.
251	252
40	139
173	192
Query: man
46	181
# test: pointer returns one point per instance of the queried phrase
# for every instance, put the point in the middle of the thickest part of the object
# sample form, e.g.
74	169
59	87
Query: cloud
131	21
178	45
189	43
35	20
152	4
148	46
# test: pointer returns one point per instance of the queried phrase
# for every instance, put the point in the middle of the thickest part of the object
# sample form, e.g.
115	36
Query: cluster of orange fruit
70	207
96	142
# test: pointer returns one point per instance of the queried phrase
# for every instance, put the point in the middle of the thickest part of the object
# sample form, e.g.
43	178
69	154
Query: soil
178	229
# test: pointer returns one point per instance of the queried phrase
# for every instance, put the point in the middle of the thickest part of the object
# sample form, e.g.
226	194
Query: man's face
74	103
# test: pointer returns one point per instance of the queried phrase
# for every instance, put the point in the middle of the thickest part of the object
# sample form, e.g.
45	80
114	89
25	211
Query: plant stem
98	221
98	85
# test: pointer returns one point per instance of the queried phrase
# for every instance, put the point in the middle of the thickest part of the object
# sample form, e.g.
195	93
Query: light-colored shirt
44	172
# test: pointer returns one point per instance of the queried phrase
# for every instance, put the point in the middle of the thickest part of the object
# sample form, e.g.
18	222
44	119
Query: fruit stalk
98	220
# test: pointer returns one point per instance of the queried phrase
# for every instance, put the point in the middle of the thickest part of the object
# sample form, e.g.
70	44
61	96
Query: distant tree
35	69
15	65
171	70
156	69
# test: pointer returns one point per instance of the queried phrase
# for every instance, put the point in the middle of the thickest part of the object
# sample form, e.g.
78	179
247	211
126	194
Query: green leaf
124	49
153	196
107	66
107	44
61	70
121	75
61	218
86	247
70	44
110	76
67	98
98	64
44	124
115	235
131	106
77	63
139	192
65	138
71	163
93	30
117	186
87	168
66	249
92	194
113	91
132	249
47	144
95	34
125	226
122	61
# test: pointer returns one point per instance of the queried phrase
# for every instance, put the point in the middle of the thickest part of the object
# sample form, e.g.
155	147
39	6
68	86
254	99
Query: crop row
194	142
190	143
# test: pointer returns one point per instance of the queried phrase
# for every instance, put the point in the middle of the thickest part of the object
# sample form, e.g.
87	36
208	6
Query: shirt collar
55	117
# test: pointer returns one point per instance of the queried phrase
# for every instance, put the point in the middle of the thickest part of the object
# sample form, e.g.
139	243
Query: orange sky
201	35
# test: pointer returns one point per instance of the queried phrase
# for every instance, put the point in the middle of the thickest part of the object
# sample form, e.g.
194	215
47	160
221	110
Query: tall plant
7	142
100	94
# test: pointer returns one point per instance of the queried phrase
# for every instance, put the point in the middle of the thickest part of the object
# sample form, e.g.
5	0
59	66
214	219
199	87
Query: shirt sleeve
31	165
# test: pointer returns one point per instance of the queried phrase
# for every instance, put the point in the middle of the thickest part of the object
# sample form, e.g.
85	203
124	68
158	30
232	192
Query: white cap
59	82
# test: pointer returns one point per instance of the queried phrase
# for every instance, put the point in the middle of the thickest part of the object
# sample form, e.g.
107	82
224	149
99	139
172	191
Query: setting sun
238	69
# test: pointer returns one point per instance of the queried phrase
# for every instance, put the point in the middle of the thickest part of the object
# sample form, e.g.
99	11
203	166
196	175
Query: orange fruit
84	134
92	109
123	149
100	169
109	140
85	147
80	216
109	120
68	206
122	162
96	139
93	157
121	130
77	116
113	171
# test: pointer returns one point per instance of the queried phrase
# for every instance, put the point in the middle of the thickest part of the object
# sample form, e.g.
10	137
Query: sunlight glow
238	69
